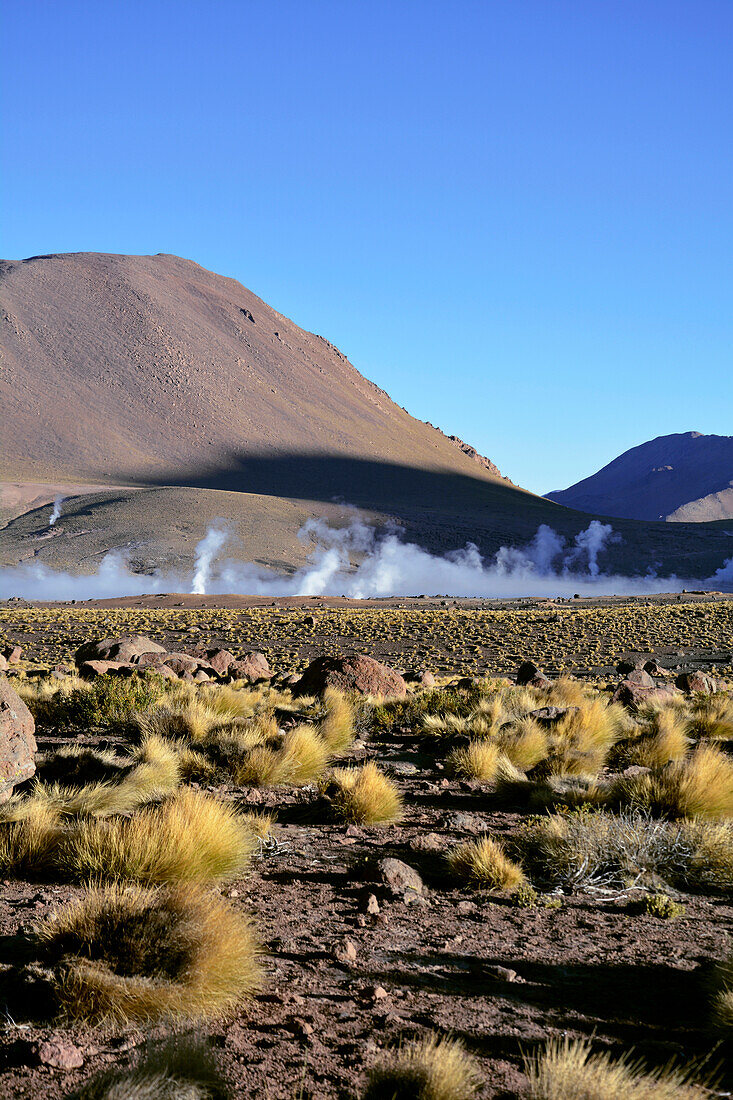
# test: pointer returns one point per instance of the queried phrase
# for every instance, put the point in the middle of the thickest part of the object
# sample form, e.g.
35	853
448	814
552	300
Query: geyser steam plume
549	565
206	553
55	514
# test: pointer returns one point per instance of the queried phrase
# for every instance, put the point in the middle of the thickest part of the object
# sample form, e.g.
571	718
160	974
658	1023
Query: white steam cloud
360	561
56	512
206	553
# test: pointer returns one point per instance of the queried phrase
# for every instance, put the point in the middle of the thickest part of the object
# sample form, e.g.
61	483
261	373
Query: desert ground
559	929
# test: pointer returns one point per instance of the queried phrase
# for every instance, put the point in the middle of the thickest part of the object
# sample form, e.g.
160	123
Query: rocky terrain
380	928
683	478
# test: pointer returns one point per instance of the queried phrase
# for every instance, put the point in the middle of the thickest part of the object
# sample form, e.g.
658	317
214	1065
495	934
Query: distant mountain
686	477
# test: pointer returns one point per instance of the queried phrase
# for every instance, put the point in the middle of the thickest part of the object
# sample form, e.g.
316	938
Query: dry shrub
189	718
336	729
364	796
477	760
604	851
699	786
712	717
191	837
432	1069
133	954
182	1069
565	692
569	1070
666	739
304	755
484	863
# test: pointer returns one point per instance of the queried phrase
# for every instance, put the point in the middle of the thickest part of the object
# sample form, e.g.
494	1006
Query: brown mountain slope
151	369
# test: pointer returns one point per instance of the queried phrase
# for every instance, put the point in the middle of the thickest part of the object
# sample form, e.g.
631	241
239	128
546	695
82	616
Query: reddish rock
17	741
399	877
359	673
633	695
640	678
700	682
220	660
546	716
3	664
124	649
12	653
60	1054
250	666
426	679
90	670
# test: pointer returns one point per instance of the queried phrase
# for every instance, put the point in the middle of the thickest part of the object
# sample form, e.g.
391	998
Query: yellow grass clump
569	1070
27	846
581	740
133	954
336	729
712	717
479	759
484	863
434	1068
525	743
666	739
701	786
191	837
181	1069
364	796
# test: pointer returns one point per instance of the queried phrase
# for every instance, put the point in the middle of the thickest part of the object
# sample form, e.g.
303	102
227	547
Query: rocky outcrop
124	649
17	740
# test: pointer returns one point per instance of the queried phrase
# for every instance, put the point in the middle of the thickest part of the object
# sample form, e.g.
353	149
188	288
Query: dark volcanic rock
697	682
17	741
527	672
359	673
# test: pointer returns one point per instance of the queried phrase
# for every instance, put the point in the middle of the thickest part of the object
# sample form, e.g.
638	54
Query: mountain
686	477
156	396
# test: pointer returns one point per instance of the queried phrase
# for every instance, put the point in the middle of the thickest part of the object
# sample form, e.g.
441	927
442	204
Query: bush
364	796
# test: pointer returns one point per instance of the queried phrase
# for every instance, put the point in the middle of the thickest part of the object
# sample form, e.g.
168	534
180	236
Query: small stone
399	877
346	952
503	973
60	1054
373	906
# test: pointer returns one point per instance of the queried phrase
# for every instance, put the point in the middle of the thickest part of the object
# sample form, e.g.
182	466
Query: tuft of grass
434	1068
304	755
525	743
657	905
712	717
27	846
181	1069
701	786
479	759
132	954
336	729
568	1069
666	739
109	701
191	837
582	739
484	863
364	796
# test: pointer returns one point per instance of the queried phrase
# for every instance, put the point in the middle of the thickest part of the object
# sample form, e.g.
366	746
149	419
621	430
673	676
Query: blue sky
516	217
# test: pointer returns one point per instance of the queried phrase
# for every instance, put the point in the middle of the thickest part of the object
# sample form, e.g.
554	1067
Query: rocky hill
686	477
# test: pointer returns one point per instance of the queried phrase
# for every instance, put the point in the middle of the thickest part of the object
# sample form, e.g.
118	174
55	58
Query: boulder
630	664
633	695
701	682
547	716
527	672
358	673
17	741
124	649
12	653
90	670
250	666
426	679
3	664
220	660
640	678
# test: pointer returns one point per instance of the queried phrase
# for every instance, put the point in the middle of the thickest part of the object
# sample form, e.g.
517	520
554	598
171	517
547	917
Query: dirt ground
342	982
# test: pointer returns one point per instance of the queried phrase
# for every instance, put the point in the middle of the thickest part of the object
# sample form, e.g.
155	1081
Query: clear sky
515	216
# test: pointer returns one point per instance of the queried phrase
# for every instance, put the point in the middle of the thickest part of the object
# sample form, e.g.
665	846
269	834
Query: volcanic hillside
157	396
686	478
